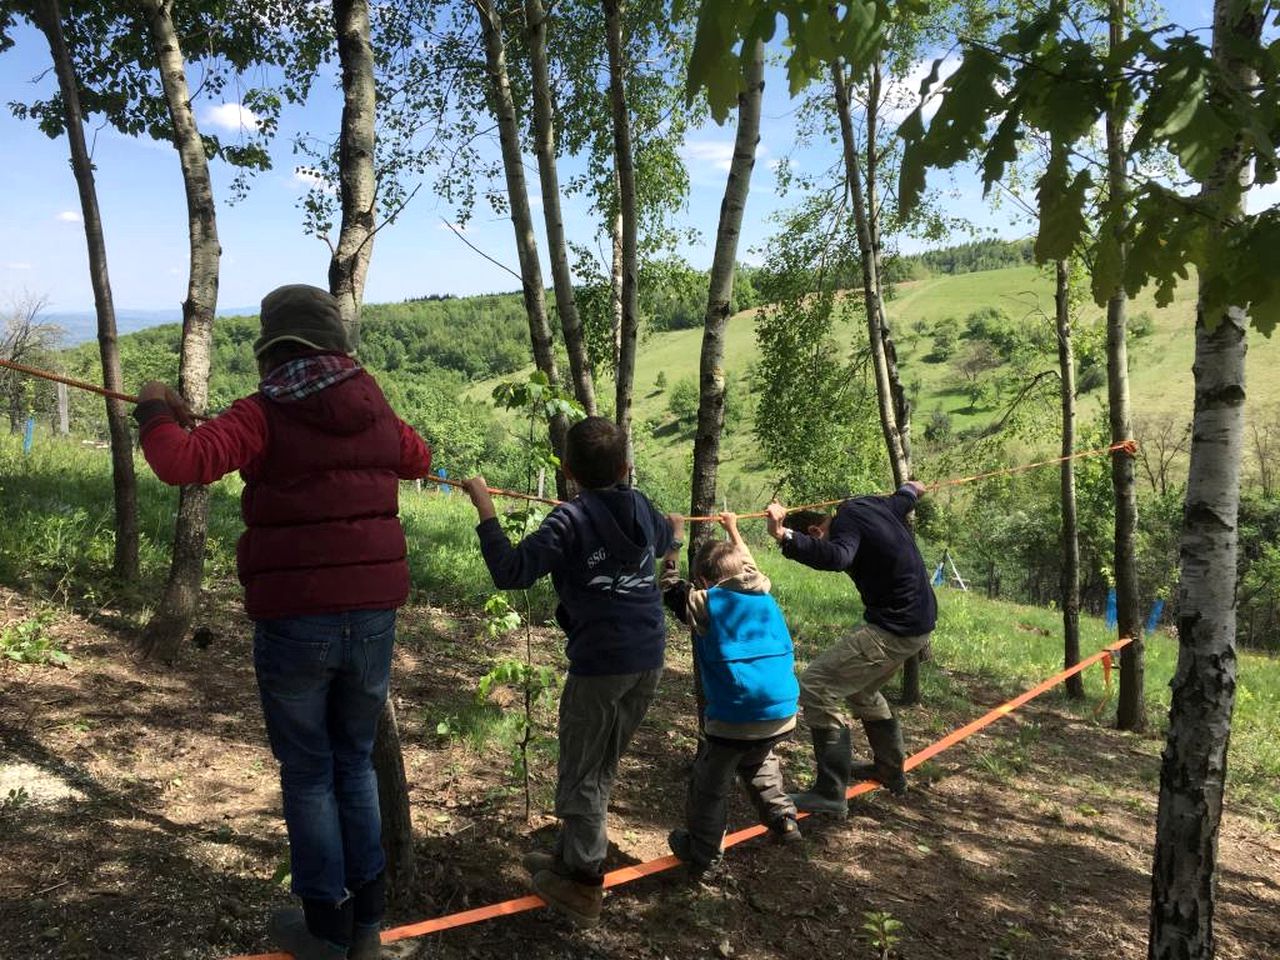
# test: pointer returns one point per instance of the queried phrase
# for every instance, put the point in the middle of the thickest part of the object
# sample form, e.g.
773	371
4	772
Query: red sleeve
415	454
229	442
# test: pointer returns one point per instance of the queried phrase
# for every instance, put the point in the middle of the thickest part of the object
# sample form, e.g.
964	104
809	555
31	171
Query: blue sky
140	192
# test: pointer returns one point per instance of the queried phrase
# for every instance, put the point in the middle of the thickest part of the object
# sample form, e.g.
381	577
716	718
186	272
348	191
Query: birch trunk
615	286
870	280
883	359
1070	532
357	183
182	591
124	483
1130	708
1194	768
544	140
535	298
625	166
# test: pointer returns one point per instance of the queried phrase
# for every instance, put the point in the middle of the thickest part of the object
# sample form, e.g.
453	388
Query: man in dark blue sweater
868	539
600	549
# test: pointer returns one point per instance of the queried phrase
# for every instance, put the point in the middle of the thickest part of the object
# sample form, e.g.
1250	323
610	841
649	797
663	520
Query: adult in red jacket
322	561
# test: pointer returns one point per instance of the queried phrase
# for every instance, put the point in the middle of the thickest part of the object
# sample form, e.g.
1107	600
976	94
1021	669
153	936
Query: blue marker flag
444	476
937	576
1153	620
1112	618
29	435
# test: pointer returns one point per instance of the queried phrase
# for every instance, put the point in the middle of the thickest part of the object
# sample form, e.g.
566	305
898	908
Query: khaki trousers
850	673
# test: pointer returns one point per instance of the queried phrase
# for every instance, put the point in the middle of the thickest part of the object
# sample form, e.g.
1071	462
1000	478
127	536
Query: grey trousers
598	716
706	810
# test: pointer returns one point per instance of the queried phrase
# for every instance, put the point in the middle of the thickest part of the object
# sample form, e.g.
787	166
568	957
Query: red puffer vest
321	509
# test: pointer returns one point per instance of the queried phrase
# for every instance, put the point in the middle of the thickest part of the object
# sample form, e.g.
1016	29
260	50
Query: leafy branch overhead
1037	81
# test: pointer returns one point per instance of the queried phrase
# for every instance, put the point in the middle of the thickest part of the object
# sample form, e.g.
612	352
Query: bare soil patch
151	828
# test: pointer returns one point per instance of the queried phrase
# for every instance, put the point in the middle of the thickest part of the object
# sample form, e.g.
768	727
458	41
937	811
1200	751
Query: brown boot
580	902
536	861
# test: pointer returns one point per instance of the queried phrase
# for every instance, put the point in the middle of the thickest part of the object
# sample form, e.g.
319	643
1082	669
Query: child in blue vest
745	658
600	549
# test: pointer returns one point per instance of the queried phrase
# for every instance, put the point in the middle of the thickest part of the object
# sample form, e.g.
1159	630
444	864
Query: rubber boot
833	758
319	931
888	755
370	903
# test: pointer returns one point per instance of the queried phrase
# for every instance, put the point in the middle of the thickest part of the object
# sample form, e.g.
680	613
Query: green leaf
1061	199
1002	150
911	172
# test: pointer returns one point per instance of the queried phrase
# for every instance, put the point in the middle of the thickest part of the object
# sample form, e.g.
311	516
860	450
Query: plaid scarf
306	376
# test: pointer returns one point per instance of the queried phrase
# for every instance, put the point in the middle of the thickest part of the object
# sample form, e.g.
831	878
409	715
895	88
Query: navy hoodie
600	550
870	541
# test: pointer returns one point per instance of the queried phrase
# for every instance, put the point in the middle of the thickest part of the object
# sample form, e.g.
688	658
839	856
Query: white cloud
69	216
232	117
704	155
17	265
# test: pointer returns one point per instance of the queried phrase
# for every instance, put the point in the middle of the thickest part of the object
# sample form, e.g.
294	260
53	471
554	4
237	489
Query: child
744	653
868	539
322	561
600	549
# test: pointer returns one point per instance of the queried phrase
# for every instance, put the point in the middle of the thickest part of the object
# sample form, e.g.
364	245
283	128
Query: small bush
28	641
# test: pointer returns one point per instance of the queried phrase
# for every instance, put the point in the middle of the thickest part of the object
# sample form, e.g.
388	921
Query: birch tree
47	16
1067	474
357	182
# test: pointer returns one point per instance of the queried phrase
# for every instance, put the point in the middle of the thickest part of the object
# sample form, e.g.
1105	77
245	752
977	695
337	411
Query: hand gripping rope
639	871
1128	446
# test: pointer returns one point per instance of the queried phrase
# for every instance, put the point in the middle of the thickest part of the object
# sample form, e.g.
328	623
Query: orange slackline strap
638	871
1128	446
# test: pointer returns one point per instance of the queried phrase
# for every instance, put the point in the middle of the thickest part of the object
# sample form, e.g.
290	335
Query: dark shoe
288	930
537	861
681	844
888	756
833	758
580	902
785	831
366	942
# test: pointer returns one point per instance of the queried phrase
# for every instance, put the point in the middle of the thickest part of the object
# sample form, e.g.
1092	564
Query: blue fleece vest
747	662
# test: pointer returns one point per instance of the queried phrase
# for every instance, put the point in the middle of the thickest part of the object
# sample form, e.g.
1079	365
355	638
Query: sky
42	249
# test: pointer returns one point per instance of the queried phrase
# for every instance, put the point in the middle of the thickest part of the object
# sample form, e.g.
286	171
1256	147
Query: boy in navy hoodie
747	664
600	549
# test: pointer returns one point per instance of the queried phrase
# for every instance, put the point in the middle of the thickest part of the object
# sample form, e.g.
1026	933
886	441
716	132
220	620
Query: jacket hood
615	515
343	408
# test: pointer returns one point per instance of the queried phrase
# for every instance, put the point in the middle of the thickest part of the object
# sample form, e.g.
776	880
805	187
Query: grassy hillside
1160	363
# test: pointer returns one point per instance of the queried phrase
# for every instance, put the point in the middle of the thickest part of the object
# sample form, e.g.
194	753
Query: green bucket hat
302	314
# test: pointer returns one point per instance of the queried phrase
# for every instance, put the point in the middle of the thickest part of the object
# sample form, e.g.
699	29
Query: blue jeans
323	681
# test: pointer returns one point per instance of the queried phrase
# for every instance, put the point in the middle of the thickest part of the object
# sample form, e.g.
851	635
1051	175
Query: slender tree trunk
615	287
393	804
535	295
870	281
1070	534
544	140
624	164
122	476
1194	768
706	444
178	603
1130	708
901	403
888	384
348	269
358	185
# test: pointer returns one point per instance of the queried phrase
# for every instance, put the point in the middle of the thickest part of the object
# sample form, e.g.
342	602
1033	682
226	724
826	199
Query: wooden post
64	411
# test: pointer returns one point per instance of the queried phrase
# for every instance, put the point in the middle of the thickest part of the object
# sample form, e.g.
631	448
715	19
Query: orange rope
625	875
1128	446
78	384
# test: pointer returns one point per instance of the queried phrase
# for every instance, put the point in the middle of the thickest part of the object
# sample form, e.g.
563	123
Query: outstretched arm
230	441
519	566
903	500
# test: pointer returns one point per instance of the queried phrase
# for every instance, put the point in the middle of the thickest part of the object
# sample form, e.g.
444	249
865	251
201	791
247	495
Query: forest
1087	410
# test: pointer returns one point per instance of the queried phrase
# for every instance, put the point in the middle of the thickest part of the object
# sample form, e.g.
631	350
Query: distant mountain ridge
80	326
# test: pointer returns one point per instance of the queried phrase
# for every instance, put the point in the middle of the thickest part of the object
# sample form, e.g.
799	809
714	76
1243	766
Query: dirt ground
150	824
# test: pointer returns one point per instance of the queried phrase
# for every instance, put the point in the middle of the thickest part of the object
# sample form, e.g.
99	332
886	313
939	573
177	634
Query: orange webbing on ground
638	871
